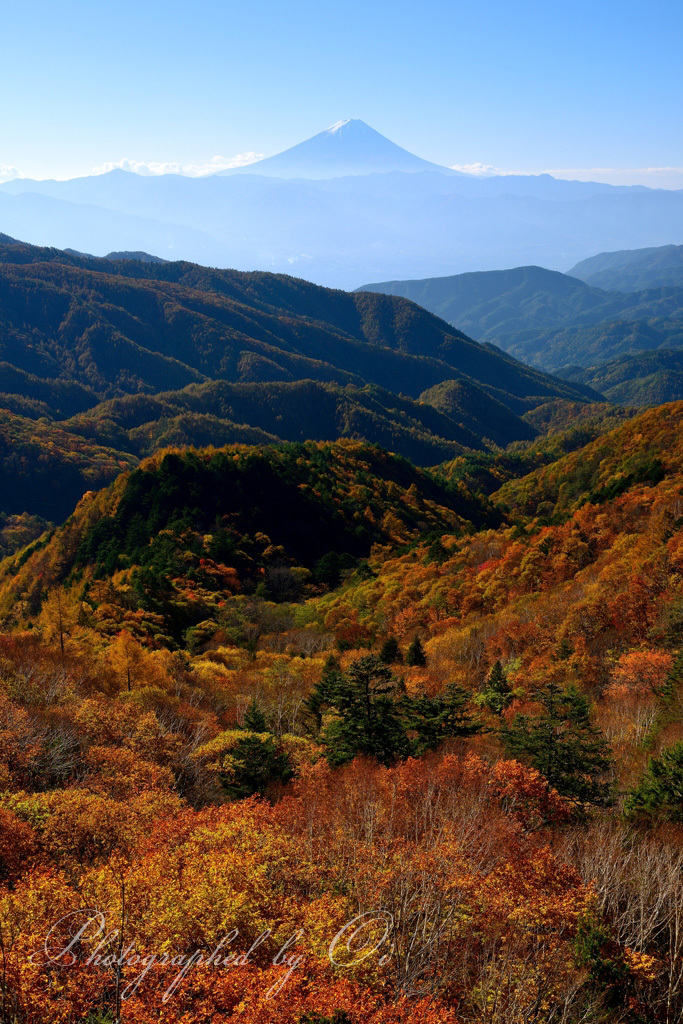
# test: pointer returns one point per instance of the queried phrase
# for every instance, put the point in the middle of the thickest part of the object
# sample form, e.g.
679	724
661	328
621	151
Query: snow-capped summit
338	125
347	147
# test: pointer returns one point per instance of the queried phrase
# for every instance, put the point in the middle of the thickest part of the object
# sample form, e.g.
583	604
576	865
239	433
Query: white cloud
481	170
8	173
212	166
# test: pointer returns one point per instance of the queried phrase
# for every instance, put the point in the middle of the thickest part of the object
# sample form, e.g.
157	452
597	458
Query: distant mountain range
633	269
346	206
549	319
103	361
622	344
504	306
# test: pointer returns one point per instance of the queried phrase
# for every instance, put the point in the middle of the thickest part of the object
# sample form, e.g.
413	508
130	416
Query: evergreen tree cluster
660	793
369	712
563	745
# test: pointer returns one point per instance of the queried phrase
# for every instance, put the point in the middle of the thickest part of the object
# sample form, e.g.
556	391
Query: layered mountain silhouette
549	319
344	207
497	305
104	360
127	326
633	269
646	378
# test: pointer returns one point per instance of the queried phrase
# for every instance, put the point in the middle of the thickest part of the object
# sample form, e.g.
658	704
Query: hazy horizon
578	93
651	177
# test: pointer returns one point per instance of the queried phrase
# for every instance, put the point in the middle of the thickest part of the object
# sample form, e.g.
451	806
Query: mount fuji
348	147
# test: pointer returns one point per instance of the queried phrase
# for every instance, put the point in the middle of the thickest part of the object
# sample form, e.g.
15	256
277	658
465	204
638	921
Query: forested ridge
633	269
145	326
618	329
105	361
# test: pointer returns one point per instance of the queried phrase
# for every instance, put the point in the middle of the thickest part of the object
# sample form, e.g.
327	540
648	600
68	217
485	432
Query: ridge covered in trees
132	356
148	327
617	339
631	270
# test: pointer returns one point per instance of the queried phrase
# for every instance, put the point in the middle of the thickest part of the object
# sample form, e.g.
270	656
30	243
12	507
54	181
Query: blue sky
518	86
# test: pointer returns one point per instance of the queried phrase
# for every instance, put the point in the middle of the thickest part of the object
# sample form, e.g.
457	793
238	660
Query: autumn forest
341	664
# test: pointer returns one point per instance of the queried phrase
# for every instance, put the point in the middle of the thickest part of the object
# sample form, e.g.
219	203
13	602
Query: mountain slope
188	529
118	327
633	270
658	324
493	305
467	403
549	319
642	451
44	469
347	147
562	429
233	357
647	378
298	411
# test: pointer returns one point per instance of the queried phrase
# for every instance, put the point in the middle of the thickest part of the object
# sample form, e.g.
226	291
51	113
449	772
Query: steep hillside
632	270
643	451
467	403
647	378
44	469
560	427
580	586
549	319
661	327
126	326
187	529
17	531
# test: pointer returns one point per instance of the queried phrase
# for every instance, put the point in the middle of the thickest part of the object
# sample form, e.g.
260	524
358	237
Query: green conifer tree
674	679
660	794
564	650
390	653
254	719
254	764
563	745
415	654
368	719
324	692
497	694
435	719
